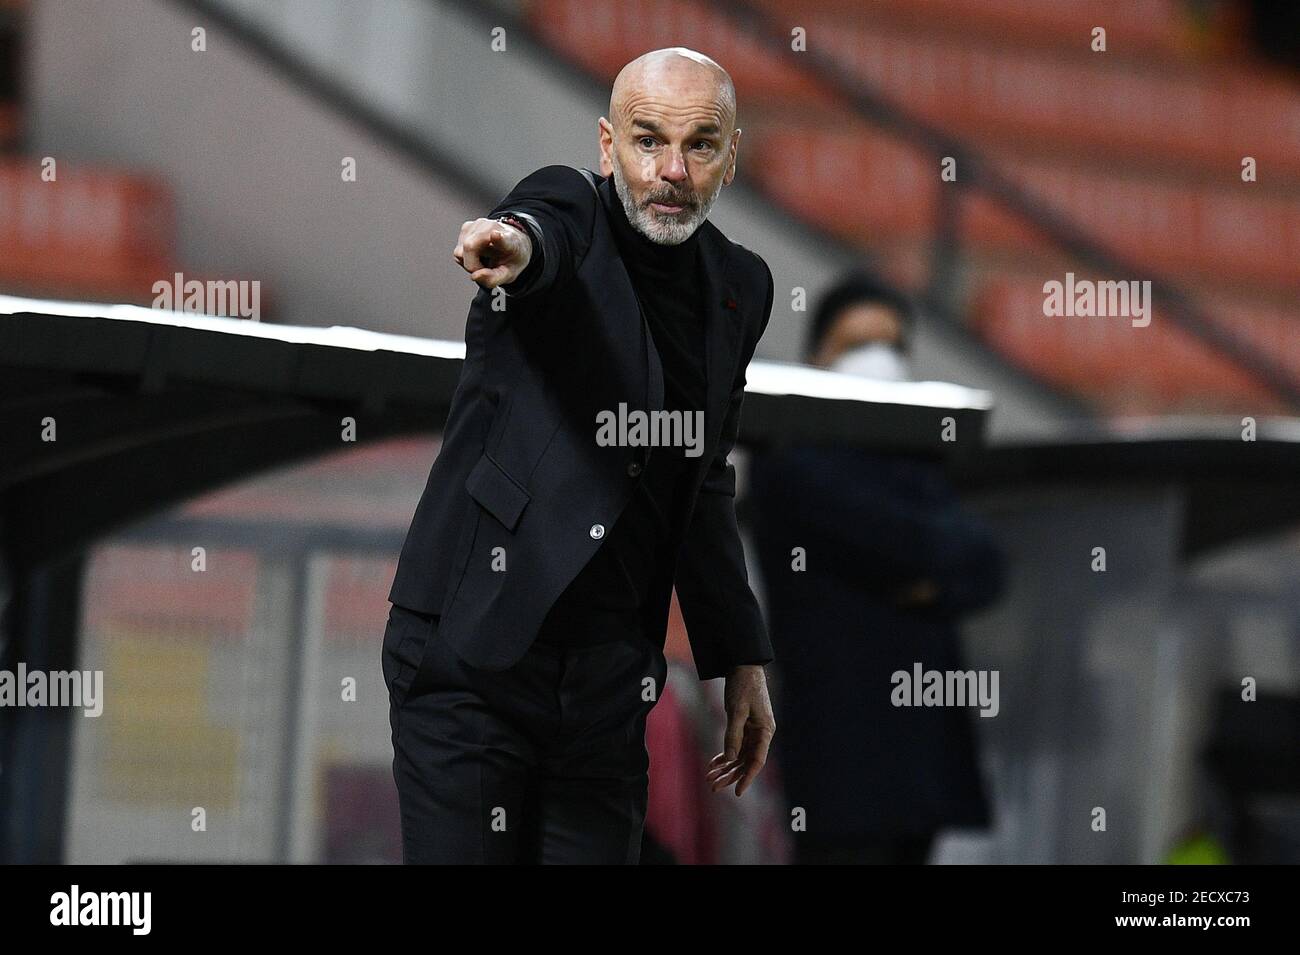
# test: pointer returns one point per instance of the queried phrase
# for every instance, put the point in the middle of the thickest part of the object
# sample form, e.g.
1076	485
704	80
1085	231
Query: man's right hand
492	252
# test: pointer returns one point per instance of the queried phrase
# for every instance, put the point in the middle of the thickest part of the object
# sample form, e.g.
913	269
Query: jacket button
633	469
597	531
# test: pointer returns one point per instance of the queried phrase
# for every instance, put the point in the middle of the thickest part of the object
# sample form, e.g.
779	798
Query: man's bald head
670	140
671	68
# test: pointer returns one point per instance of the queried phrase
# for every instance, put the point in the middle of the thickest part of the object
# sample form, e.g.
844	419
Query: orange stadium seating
1177	227
1142	26
1080	104
95	231
1122	368
1138	149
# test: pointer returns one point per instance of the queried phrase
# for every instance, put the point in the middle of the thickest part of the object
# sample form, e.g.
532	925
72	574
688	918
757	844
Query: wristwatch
518	224
529	227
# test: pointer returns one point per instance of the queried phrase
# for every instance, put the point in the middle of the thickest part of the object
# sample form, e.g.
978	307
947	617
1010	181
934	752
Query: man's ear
606	135
730	174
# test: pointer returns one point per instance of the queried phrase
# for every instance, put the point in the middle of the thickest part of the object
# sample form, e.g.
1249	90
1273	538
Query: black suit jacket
520	476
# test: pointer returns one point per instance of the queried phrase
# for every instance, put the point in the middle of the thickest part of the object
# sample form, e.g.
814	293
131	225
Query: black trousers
881	850
542	763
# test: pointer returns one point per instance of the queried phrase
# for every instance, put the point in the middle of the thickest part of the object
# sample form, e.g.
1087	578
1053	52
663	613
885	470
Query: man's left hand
750	727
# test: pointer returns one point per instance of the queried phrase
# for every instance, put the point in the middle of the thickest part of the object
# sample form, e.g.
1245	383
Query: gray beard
666	230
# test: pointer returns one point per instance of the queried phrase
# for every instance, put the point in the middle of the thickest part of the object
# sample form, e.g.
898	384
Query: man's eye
647	139
705	144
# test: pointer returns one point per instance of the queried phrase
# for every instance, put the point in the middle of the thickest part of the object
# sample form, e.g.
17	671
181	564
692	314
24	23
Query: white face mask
873	360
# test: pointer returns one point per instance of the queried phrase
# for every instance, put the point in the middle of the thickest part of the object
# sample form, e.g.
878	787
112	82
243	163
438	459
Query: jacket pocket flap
497	491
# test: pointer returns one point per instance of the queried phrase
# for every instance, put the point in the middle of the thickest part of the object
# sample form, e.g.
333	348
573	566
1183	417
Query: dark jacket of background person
872	525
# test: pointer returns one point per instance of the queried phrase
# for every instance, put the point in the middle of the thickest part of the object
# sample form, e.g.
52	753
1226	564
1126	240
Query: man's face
671	150
857	325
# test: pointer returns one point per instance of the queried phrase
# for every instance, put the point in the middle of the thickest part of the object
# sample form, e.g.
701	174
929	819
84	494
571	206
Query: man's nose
674	167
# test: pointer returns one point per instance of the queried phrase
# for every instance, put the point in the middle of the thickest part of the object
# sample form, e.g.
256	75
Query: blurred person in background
892	563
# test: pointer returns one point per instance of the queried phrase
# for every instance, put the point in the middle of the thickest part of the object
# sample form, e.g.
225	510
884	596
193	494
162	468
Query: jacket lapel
721	312
721	308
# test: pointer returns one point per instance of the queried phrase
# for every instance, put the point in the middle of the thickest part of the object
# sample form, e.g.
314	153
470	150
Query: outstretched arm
555	208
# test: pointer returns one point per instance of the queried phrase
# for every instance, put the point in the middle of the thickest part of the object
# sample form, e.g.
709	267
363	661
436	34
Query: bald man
583	474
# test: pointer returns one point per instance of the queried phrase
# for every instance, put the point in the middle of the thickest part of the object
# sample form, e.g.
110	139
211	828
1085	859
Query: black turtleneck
605	601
